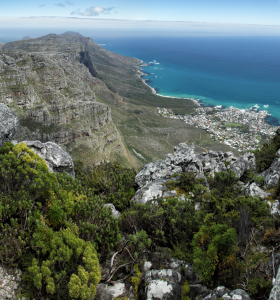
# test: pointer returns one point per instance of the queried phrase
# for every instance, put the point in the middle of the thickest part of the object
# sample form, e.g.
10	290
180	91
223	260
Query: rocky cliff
50	82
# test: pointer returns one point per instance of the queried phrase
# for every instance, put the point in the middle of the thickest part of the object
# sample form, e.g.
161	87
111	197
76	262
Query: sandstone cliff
50	82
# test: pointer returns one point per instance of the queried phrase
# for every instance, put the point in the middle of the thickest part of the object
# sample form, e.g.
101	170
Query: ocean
228	71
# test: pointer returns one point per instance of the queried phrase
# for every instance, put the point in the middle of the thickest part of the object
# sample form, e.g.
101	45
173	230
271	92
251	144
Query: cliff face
50	82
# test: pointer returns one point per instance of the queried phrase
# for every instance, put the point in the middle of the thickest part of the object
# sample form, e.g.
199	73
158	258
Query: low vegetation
57	230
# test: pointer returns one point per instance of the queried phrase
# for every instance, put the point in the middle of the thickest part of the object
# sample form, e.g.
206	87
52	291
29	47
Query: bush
37	232
214	255
168	223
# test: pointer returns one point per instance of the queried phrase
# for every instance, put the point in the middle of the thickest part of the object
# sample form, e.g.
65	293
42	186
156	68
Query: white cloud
64	4
92	11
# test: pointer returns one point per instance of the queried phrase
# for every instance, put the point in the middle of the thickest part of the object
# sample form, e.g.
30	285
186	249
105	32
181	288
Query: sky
189	16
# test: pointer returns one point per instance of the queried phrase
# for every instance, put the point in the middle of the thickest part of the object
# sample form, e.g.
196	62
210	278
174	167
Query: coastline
140	73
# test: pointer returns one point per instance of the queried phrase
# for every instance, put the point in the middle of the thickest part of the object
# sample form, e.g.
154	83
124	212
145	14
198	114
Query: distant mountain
26	38
1	45
71	33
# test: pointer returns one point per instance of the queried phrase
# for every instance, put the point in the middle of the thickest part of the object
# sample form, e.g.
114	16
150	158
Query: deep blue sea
237	71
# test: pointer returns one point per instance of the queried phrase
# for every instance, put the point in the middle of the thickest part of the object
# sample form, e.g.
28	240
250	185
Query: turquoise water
237	71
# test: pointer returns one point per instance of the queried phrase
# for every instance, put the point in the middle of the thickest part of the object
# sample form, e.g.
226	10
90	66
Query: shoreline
196	102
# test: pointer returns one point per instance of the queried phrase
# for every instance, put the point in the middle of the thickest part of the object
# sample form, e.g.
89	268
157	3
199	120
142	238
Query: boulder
272	174
197	290
162	284
115	212
253	190
243	164
239	294
162	290
9	124
56	158
109	292
275	292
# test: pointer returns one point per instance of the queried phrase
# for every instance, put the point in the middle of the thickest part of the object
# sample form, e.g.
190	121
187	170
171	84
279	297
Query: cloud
93	11
42	5
64	4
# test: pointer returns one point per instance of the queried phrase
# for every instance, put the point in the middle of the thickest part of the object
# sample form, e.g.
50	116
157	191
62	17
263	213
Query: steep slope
50	83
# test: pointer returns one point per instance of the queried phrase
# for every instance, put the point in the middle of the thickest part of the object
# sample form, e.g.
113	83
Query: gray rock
239	294
272	174
9	124
274	208
1	45
115	212
243	164
210	297
164	274
56	158
253	190
275	292
109	292
196	290
147	266
163	169
152	191
273	259
220	291
175	264
162	290
10	283
190	275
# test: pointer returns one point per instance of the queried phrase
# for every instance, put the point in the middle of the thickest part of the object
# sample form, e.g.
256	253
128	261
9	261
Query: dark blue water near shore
237	71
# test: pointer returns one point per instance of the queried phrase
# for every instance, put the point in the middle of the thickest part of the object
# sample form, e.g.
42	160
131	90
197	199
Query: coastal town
241	129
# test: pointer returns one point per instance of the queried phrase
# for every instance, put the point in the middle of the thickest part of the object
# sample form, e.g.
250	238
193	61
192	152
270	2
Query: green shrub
214	255
37	230
259	288
168	223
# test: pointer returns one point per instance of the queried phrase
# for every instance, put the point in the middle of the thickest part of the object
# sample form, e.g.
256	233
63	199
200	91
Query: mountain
49	82
67	89
1	45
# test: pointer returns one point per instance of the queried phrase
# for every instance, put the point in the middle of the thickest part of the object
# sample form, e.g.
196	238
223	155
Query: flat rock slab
9	124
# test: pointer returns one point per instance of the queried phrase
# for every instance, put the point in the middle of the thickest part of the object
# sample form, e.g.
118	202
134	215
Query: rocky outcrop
152	177
8	124
50	83
272	174
56	158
